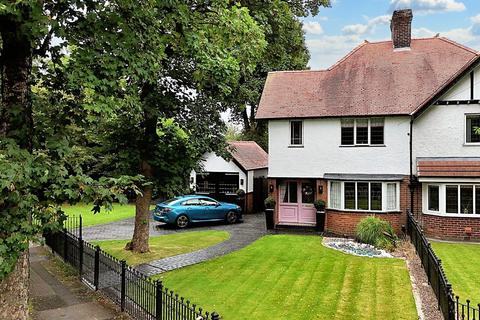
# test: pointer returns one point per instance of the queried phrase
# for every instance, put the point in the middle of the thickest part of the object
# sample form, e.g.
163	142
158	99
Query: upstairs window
362	131
472	128
296	133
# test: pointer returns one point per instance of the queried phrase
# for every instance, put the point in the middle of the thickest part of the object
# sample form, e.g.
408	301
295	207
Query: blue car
183	210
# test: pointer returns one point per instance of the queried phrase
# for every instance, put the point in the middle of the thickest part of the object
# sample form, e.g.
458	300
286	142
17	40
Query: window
433	198
364	196
453	198
296	134
207	202
336	195
347	131
288	192
307	192
362	131
391	196
191	202
376	196
472	128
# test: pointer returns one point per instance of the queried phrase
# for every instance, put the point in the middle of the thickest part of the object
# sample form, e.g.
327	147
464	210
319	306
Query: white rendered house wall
322	151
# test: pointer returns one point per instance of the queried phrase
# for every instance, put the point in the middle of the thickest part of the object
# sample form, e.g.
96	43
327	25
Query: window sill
453	215
362	146
471	144
365	211
295	146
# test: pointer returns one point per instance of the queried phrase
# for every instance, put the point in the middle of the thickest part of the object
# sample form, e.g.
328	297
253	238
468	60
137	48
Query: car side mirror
217	204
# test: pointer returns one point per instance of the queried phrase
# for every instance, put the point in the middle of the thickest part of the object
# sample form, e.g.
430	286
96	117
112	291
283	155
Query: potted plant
319	205
269	209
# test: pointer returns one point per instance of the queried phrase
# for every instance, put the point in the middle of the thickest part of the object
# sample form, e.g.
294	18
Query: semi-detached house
391	127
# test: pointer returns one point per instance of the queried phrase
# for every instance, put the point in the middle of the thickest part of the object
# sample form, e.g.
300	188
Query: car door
193	209
212	211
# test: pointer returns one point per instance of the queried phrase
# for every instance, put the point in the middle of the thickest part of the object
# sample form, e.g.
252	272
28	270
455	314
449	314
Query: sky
337	30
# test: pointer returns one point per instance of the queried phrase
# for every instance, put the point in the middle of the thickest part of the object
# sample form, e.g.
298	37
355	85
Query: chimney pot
401	27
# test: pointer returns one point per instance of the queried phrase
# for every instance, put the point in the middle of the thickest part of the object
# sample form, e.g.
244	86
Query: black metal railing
449	304
135	293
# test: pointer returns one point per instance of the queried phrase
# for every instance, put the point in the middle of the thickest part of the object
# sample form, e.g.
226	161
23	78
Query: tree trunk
14	291
16	123
141	231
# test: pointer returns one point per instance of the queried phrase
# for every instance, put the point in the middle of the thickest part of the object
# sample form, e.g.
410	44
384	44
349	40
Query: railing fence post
159	300
80	226
65	245
80	258
122	288
215	316
96	267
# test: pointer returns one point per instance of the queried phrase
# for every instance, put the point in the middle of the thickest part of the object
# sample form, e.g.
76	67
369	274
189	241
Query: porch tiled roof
448	167
372	80
249	155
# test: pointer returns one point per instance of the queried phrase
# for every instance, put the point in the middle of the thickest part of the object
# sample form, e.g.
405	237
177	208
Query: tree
286	51
36	172
156	71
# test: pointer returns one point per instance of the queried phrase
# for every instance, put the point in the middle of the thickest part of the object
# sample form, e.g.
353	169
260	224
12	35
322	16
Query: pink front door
296	202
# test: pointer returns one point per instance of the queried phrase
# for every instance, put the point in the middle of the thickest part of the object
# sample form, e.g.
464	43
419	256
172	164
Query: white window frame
369	129
443	201
290	134
465	129
384	196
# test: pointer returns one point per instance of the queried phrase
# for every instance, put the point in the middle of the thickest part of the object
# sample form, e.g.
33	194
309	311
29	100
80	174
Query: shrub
319	205
241	193
269	203
377	232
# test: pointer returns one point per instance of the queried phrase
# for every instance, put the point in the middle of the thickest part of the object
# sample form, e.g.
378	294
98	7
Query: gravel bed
353	247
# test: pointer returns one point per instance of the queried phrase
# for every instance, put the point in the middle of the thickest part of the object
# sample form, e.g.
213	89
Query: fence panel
133	291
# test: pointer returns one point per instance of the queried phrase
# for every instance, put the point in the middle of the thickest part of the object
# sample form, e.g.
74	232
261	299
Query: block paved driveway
241	235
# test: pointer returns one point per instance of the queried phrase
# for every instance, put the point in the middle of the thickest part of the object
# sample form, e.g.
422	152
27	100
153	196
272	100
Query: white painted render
440	132
321	152
461	91
214	163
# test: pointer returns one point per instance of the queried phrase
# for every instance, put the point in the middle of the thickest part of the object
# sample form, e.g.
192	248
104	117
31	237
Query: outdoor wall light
320	189
271	188
191	180
241	182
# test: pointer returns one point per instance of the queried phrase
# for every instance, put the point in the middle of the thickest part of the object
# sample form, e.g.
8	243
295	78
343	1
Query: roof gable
249	155
371	80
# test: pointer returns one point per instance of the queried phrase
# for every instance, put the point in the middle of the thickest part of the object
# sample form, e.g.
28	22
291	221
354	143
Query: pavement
54	299
241	235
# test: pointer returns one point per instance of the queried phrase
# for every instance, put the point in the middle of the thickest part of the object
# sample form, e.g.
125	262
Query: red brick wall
451	228
344	223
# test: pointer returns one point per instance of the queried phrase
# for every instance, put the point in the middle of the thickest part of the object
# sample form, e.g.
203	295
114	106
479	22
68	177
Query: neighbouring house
247	170
391	127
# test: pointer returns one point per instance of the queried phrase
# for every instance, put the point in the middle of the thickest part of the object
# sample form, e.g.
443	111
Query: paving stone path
241	235
52	299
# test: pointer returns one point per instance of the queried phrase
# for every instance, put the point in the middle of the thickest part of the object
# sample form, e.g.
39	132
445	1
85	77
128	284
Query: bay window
364	196
452	198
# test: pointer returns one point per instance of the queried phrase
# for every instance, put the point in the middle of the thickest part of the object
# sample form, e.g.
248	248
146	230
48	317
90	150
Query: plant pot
269	218
320	223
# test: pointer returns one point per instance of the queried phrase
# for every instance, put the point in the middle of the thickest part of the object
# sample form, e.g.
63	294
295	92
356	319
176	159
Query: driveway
241	235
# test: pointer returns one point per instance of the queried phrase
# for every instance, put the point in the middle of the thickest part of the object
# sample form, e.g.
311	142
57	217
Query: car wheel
182	221
231	217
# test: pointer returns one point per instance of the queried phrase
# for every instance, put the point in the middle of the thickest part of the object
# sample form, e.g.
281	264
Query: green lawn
165	246
119	212
296	277
461	264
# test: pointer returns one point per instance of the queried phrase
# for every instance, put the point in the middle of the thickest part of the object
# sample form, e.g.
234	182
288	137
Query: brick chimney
401	27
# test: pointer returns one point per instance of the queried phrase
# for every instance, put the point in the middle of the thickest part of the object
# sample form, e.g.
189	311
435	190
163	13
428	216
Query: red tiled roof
454	167
373	79
249	155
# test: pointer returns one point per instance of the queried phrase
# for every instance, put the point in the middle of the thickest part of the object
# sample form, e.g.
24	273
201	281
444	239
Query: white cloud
367	28
428	6
312	28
